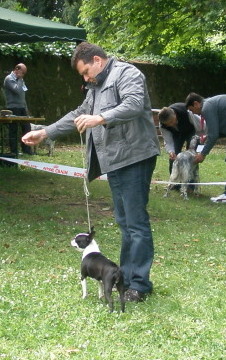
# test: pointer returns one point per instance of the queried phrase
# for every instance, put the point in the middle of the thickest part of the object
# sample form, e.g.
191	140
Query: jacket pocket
108	98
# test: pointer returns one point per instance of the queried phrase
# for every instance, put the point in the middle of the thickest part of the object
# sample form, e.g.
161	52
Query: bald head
20	70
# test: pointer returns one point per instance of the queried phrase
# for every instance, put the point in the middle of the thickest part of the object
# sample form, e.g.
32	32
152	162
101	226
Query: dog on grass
97	266
48	143
185	170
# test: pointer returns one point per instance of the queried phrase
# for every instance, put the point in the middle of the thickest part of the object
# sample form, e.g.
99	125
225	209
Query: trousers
13	131
130	187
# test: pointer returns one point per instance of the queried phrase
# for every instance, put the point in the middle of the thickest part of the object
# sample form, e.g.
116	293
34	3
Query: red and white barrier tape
53	168
174	183
80	172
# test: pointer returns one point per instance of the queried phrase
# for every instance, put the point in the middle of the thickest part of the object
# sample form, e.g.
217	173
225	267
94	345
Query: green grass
42	315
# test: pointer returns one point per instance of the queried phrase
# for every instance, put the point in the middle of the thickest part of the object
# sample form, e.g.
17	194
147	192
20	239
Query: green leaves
158	31
160	27
58	48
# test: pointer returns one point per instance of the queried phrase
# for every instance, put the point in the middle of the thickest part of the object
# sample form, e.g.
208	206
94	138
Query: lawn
42	314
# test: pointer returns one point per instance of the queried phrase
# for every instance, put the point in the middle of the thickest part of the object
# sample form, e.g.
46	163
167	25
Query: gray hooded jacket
121	98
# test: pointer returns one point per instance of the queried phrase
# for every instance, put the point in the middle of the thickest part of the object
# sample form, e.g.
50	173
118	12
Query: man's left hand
84	122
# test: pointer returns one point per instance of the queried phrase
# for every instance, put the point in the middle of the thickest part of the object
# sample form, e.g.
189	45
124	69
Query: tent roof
17	26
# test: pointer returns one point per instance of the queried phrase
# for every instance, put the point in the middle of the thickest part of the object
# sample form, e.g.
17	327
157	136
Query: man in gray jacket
15	90
121	141
213	110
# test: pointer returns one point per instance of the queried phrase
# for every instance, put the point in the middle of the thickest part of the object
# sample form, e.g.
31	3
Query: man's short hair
85	52
191	98
165	114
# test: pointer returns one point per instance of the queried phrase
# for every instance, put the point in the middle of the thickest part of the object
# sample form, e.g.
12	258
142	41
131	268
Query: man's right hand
199	158
34	137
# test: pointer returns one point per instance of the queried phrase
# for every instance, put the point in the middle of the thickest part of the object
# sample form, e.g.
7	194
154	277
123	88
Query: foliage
13	5
43	8
57	48
42	314
70	12
179	33
65	10
211	59
159	27
208	59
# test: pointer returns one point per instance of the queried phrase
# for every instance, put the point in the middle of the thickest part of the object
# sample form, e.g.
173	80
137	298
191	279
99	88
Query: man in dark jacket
176	129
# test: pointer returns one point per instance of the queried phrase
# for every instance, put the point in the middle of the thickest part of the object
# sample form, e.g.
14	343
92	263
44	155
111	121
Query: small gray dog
184	169
48	143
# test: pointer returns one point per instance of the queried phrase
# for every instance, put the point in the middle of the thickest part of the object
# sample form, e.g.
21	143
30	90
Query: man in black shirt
176	128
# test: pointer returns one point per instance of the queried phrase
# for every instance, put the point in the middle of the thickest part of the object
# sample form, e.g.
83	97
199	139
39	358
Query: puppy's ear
92	233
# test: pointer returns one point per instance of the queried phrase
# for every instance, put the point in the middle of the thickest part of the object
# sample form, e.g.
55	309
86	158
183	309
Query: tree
44	8
70	12
11	4
66	11
161	27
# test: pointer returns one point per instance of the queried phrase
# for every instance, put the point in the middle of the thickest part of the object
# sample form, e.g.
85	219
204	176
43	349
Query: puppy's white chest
92	247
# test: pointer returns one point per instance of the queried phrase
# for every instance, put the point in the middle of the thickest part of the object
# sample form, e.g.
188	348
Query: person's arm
67	123
34	137
210	114
86	121
63	126
13	85
211	117
195	120
168	140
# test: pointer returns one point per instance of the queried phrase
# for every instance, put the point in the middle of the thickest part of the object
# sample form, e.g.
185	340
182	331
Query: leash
85	186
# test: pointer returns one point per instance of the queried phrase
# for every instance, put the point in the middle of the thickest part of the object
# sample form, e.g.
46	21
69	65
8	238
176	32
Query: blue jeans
130	188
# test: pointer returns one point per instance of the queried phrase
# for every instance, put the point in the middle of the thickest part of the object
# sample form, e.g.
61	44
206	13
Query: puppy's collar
81	234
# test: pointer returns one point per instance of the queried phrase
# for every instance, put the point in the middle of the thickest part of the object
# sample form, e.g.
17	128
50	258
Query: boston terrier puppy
97	266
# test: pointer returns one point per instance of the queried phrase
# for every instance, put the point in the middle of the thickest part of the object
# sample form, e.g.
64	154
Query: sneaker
219	199
134	295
